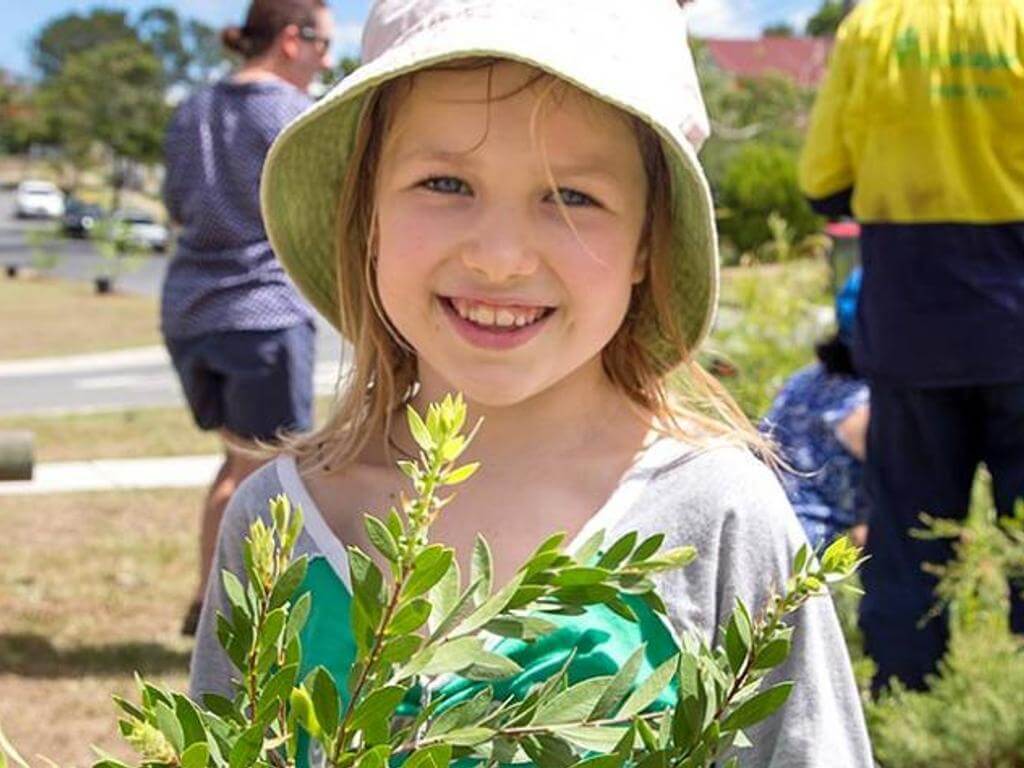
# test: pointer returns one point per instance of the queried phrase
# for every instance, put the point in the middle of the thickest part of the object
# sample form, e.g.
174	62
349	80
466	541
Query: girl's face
478	268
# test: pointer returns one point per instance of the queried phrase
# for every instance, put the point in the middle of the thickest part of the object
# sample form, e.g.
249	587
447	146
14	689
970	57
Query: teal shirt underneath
602	641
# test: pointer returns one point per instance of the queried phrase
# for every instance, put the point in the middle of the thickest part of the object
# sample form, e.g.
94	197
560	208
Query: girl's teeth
501	317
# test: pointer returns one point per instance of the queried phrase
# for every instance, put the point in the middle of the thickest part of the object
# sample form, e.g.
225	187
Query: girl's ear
640	266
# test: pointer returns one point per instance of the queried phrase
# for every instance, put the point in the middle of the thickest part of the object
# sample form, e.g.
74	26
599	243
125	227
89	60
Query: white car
143	230
38	199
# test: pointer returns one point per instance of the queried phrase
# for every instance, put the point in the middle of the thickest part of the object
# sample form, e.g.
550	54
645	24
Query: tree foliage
825	22
74	33
761	180
111	94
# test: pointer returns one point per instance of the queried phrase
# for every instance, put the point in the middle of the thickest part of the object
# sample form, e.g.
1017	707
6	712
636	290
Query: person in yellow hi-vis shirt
918	131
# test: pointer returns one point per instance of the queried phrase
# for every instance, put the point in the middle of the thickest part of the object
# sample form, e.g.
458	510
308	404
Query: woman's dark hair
836	355
266	18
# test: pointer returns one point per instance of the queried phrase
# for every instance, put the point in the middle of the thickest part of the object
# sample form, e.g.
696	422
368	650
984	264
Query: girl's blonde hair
382	375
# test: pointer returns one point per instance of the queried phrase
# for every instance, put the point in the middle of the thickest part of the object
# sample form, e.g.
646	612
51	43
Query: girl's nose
502	248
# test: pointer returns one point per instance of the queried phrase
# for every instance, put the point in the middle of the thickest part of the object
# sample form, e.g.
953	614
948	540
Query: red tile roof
801	59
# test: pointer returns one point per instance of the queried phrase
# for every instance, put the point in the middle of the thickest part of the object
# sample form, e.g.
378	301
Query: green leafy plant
414	620
972	715
119	252
41	242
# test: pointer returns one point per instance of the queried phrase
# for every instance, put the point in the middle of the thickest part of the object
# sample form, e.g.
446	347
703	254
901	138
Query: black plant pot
104	284
12	270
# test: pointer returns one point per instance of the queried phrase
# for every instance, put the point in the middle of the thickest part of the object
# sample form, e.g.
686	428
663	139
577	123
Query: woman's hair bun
234	39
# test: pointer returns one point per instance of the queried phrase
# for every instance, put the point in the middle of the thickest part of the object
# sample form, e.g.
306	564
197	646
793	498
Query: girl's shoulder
714	497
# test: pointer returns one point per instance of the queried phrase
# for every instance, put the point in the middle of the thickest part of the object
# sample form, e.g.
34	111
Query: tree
112	95
826	21
189	50
779	29
72	34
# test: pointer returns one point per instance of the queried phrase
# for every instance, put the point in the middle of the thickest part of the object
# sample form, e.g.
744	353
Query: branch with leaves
418	620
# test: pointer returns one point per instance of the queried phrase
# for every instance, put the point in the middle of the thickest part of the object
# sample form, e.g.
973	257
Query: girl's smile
495	325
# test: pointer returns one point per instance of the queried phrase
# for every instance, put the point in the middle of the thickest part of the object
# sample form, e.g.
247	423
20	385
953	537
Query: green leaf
326	701
493	606
273	629
399	650
428	568
192	728
580	576
490	666
297	617
482	567
375	758
290	581
574	704
549	751
436	756
469	737
444	596
668	560
647	547
169	726
379	705
758	708
619	686
592	737
235	593
649	690
737	640
410	617
802	556
600	761
305	715
520	627
773	654
461	715
368	604
247	749
460	475
278	688
419	431
618	551
381	538
195	756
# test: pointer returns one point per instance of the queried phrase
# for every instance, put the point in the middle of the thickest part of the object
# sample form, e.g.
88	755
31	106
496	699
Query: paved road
138	378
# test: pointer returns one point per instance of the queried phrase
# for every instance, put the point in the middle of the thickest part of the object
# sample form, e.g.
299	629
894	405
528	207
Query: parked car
80	218
38	199
143	230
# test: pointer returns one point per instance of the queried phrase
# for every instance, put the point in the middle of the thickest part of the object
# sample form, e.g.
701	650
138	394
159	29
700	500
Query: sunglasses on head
310	35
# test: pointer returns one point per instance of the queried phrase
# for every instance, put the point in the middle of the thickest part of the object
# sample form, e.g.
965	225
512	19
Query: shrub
761	180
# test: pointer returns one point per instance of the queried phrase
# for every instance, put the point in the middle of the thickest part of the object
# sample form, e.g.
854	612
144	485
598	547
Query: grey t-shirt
721	501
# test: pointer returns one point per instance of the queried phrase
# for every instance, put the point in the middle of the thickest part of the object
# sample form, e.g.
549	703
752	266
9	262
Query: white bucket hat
632	55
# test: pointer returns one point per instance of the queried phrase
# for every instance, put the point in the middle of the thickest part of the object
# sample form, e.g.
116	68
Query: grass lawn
64	318
92	589
114	435
122	434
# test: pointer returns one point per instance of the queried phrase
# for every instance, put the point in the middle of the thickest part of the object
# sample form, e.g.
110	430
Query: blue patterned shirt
224	275
826	489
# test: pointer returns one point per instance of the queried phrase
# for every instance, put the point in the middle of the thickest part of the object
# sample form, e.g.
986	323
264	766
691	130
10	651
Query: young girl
503	202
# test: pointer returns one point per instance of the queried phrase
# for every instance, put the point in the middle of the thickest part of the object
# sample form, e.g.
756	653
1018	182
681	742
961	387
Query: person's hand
859	535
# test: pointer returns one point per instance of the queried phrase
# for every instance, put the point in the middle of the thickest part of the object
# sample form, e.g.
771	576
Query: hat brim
304	171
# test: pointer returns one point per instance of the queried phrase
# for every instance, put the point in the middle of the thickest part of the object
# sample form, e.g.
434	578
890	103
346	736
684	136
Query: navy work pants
924	447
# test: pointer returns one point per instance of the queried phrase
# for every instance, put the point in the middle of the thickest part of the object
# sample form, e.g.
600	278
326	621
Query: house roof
800	59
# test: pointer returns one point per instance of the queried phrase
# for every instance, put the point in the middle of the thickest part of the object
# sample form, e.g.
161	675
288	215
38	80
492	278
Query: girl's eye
446	185
572	197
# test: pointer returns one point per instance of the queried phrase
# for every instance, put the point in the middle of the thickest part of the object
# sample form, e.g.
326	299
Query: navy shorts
254	384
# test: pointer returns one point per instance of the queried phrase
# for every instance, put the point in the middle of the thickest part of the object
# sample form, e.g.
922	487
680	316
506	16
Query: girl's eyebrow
593	166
